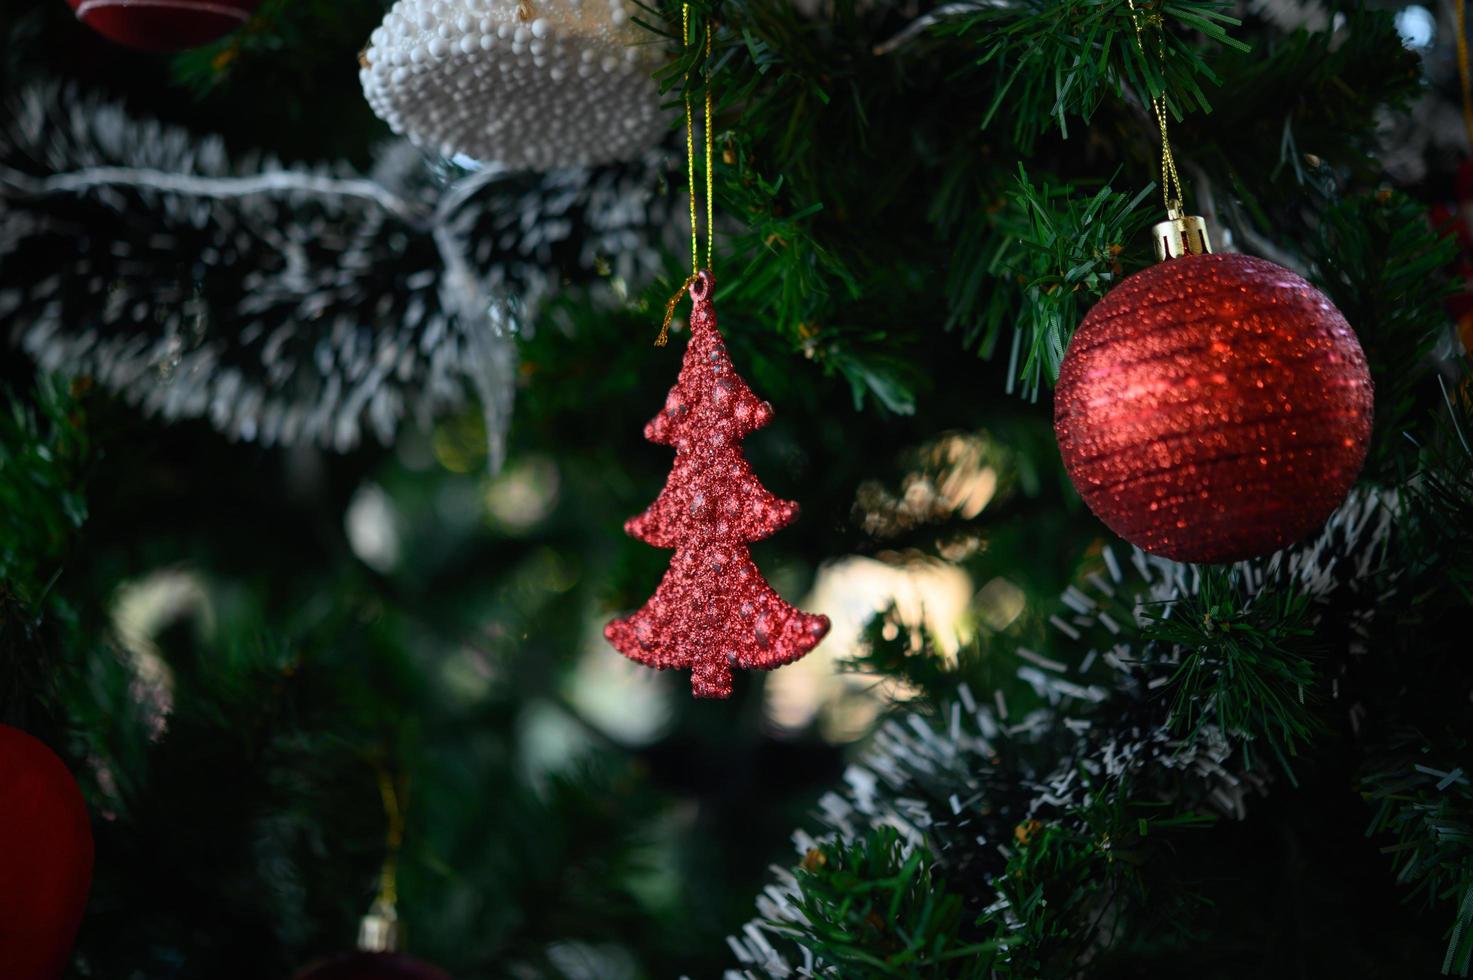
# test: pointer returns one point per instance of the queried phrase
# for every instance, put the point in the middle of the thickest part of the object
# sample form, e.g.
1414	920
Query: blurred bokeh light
143	609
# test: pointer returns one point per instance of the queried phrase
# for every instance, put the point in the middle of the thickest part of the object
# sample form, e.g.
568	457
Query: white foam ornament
522	83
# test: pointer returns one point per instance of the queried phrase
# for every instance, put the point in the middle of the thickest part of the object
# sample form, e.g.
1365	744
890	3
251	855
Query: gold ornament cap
379	931
1180	234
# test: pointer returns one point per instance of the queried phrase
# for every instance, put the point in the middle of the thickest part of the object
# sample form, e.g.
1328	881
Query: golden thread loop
690	158
674	301
1463	73
1171	192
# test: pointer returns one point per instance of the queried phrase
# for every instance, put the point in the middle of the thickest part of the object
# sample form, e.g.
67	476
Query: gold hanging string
1170	183
392	791
690	147
710	160
690	159
1463	73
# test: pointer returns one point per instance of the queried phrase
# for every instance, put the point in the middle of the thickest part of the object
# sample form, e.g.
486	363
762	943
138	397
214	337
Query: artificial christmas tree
252	548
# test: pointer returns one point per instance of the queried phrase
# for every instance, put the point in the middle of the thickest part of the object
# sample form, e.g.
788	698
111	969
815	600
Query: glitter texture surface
1213	408
713	609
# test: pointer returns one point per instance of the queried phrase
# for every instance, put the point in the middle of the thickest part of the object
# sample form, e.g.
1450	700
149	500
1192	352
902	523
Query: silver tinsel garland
939	783
286	303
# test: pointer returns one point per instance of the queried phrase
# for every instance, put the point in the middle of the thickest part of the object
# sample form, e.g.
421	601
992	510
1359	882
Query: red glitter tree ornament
1213	408
713	609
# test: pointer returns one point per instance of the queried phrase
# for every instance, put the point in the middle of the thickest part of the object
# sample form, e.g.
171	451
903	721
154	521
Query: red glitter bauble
45	859
163	25
1213	408
371	966
713	609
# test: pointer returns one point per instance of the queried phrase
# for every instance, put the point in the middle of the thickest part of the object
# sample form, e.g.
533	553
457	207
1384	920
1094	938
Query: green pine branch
43	450
873	908
1301	118
44	454
1051	252
1380	261
1072	881
1246	663
1427	811
1054	60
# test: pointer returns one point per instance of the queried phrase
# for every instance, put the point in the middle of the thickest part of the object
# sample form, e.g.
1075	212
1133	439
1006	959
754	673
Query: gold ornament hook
379	931
1180	234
